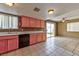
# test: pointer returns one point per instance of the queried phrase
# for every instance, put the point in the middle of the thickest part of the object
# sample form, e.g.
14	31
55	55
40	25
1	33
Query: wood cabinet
41	37
29	22
42	24
8	43
37	37
44	36
3	46
32	38
32	23
24	21
12	44
38	23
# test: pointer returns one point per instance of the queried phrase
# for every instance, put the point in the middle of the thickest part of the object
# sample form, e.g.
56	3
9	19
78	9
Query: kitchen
20	31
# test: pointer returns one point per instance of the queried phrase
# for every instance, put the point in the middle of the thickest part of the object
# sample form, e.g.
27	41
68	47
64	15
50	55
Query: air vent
36	9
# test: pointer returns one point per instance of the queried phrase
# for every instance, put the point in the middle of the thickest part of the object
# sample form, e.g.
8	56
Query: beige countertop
19	33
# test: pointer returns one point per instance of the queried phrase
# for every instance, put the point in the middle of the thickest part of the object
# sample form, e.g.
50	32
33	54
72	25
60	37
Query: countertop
19	33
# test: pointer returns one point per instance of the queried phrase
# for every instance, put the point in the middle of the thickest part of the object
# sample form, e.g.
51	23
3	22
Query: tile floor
54	46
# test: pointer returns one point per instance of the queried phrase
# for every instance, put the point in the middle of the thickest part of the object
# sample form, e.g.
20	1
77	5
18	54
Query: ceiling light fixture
50	11
63	19
10	4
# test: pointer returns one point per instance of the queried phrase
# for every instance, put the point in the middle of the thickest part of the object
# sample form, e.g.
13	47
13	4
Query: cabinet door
32	22
38	23
24	21
39	37
12	44
32	39
42	24
3	46
44	36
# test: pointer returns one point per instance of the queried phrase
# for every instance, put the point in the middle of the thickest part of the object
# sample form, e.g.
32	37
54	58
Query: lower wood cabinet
37	37
8	43
12	44
3	46
44	36
32	38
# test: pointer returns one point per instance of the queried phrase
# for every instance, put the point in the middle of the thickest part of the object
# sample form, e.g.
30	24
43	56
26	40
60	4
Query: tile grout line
75	48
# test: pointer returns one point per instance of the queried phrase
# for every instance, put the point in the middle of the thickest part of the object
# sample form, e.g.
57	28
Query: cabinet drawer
7	37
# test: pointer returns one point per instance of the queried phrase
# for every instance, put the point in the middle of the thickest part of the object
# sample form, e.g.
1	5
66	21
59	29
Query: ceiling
68	10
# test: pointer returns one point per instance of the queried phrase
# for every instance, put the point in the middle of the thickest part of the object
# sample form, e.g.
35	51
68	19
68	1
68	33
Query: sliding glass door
50	29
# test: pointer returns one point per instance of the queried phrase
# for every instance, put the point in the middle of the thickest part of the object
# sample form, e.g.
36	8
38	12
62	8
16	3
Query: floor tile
67	53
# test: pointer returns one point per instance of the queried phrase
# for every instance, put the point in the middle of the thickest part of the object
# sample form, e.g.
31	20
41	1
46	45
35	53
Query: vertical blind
8	21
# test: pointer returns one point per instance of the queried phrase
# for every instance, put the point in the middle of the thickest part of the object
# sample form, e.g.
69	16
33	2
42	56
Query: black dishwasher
23	40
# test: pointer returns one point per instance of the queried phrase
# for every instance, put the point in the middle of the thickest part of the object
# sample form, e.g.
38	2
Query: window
8	21
50	29
73	27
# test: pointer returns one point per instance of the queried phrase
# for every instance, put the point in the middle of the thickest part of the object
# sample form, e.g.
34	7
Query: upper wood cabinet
38	23
42	24
31	22
24	21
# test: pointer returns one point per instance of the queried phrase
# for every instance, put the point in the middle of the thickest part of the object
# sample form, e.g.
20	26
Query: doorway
50	27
